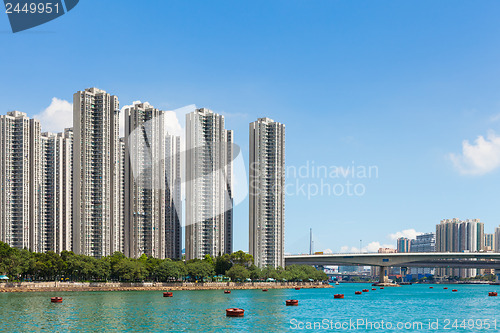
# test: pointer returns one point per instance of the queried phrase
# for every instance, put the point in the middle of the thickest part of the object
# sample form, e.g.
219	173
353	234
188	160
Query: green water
204	311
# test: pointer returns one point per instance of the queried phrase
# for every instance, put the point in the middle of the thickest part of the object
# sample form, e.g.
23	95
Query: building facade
267	193
95	171
424	243
404	245
209	198
173	199
489	242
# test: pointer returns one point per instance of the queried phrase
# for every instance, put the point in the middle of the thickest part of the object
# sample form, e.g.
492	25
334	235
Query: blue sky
394	84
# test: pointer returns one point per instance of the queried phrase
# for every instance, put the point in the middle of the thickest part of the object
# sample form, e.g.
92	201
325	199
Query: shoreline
150	286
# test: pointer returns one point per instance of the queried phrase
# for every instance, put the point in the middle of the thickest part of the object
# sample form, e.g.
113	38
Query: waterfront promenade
128	286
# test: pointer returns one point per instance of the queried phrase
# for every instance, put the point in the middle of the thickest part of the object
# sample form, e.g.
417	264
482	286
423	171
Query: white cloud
57	116
370	248
327	251
408	233
479	158
495	117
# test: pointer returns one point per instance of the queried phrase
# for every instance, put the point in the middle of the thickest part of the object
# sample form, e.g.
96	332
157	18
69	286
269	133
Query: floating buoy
454	290
227	291
431	287
168	294
366	290
234	312
297	288
445	288
338	296
374	288
492	293
357	293
56	299
381	287
289	302
264	289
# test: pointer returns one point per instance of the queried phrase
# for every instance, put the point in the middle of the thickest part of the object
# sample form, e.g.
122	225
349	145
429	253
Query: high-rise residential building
459	236
67	189
267	193
120	237
404	245
497	239
20	180
145	181
95	172
424	243
51	236
209	198
489	242
173	200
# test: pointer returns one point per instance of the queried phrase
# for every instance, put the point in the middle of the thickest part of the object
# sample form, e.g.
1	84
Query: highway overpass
483	260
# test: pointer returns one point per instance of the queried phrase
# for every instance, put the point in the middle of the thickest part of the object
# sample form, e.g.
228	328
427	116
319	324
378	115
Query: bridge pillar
404	271
497	275
384	275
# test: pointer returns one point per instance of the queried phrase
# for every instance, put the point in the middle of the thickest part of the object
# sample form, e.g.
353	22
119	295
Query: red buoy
374	288
338	296
492	293
168	294
297	288
381	287
454	290
445	288
365	290
357	293
234	312
289	302
431	287
227	291
56	299
264	289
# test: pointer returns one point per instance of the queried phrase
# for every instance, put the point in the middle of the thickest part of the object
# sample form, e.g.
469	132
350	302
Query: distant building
404	245
424	243
489	242
454	235
497	239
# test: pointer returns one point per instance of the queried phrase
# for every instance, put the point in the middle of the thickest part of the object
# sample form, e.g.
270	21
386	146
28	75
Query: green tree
238	273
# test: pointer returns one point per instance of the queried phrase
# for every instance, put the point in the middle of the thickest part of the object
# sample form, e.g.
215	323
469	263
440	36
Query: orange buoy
365	290
454	290
381	287
357	293
289	302
492	293
374	288
227	291
445	288
235	312
56	299
264	289
297	288
431	287
168	294
338	296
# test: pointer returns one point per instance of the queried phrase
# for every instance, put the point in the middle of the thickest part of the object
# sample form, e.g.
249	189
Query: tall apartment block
497	239
145	181
455	235
95	172
266	193
209	198
119	235
20	180
173	200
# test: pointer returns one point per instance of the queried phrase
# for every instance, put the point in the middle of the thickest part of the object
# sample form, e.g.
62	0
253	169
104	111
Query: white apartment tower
173	201
267	193
209	198
95	172
20	180
145	181
67	188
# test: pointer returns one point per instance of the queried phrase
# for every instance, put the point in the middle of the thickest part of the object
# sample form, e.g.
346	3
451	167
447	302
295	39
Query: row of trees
26	265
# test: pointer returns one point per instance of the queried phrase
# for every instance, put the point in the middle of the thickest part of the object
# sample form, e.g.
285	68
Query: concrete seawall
123	286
